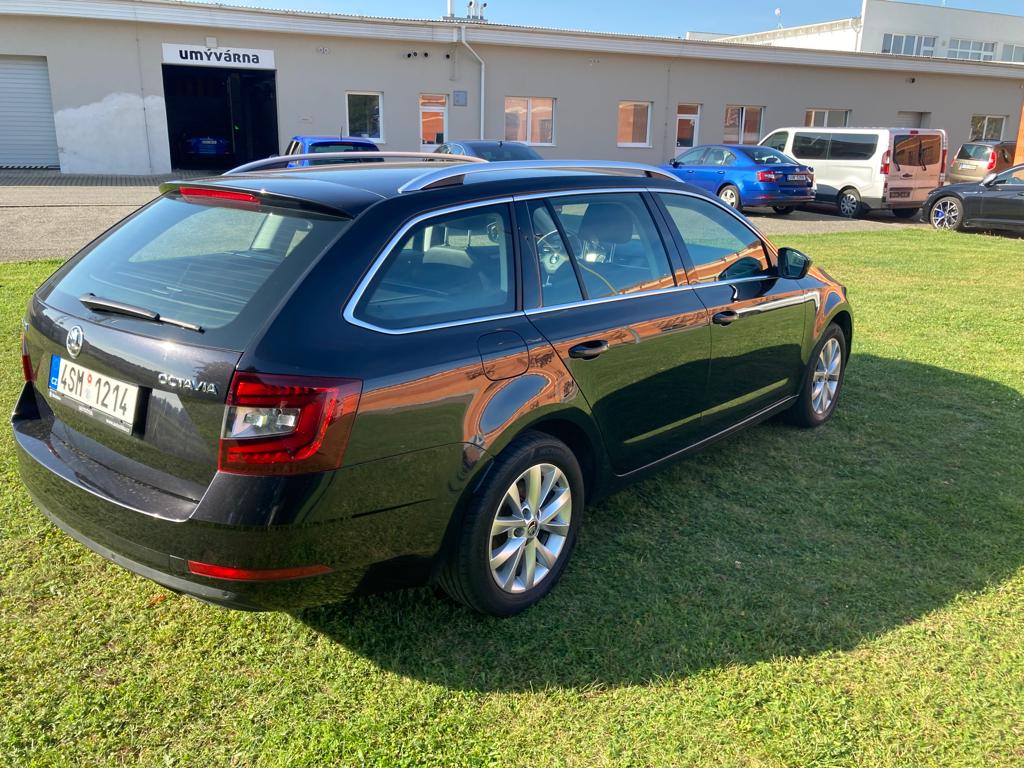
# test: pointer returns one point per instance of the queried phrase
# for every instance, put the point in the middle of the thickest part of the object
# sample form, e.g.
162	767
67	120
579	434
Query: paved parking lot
55	216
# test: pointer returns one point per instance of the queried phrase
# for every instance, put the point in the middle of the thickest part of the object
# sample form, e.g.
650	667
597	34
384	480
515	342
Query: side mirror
989	180
674	162
793	264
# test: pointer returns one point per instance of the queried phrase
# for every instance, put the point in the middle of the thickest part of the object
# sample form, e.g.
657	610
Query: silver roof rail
281	161
454	175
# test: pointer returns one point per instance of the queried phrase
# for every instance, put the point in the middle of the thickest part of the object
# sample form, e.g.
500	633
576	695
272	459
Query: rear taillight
886	163
991	160
285	425
769	176
27	369
942	166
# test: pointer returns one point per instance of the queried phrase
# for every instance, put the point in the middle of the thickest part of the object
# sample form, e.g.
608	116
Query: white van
862	169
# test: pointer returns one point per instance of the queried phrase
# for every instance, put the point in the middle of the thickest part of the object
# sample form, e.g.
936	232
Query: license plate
967	166
798	177
107	399
898	193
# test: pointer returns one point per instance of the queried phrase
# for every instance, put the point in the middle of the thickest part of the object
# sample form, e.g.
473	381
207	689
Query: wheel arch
844	320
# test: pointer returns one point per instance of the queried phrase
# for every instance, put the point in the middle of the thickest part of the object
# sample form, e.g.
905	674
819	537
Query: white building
115	86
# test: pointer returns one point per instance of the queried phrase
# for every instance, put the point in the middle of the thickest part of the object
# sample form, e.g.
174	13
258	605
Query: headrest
443	254
607	223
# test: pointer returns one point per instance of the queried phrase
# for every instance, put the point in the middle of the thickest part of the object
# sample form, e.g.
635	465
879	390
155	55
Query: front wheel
783	210
730	195
823	380
519	529
850	204
947	213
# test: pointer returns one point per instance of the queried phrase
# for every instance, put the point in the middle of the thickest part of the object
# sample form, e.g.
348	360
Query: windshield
504	152
223	268
767	156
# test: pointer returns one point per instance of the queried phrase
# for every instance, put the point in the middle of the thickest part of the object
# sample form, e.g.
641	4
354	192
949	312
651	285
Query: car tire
730	195
849	204
504	560
947	213
783	210
906	213
822	382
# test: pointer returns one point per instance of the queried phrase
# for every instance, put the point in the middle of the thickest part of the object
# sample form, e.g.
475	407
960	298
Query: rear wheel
947	213
730	195
823	381
905	213
783	210
519	530
850	204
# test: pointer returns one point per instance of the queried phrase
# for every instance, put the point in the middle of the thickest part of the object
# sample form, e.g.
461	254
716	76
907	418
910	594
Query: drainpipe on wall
483	78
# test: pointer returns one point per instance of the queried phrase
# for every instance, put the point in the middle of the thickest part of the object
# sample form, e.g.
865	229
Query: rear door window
852	146
222	267
810	146
615	243
454	267
916	150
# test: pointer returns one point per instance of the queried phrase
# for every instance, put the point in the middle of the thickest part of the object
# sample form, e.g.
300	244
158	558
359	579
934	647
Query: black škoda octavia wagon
275	388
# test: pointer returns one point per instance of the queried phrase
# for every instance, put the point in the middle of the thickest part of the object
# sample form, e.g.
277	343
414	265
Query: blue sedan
745	174
305	145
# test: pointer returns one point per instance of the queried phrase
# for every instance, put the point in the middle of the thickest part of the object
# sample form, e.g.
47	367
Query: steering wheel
552	252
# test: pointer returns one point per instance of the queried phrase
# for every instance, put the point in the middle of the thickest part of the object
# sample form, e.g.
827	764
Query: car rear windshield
506	152
222	267
767	156
974	152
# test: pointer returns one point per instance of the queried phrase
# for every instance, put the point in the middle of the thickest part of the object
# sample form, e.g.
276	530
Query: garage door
27	135
909	119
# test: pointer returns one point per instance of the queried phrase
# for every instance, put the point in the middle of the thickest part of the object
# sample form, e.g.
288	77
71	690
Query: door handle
728	317
720	173
588	350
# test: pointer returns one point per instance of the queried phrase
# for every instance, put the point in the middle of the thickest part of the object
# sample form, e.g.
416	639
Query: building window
908	45
743	125
987	127
634	124
1014	53
827	118
687	125
530	119
433	119
365	115
971	50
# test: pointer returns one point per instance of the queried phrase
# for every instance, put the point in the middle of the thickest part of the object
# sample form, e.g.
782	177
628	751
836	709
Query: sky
670	18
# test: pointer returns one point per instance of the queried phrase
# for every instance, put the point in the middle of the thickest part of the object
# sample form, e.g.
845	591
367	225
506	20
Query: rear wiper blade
100	304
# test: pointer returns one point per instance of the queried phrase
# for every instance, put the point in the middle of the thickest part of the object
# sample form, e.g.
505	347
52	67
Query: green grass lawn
848	596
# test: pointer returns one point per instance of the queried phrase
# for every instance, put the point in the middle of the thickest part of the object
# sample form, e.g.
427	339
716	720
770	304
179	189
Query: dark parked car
273	389
746	175
492	151
996	203
314	145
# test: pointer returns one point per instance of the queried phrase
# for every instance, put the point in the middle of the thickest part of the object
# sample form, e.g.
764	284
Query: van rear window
221	267
919	150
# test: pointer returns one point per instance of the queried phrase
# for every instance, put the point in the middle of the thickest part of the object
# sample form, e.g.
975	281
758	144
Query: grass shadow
778	542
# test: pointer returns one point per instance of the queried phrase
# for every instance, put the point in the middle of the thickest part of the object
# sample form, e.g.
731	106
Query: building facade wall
108	98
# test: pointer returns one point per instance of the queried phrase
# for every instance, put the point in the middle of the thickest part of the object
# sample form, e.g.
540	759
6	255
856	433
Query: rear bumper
369	548
778	196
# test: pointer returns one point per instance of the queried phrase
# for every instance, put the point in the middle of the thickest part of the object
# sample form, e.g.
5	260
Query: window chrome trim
357	296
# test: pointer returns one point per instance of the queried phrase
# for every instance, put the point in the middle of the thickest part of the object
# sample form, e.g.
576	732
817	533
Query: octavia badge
76	336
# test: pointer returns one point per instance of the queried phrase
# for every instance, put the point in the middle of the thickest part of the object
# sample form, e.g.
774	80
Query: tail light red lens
27	370
208	195
230	573
991	160
768	176
886	163
285	425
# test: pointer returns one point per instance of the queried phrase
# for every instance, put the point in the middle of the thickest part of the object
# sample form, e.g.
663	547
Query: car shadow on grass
776	542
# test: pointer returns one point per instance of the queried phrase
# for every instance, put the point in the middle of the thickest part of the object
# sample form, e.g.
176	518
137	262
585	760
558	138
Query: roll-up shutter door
27	134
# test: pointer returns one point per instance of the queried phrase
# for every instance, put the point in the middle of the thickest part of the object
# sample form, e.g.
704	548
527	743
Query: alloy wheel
729	197
825	382
530	528
946	214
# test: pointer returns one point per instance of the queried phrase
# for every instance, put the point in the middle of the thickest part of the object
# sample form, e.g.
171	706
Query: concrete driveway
54	222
